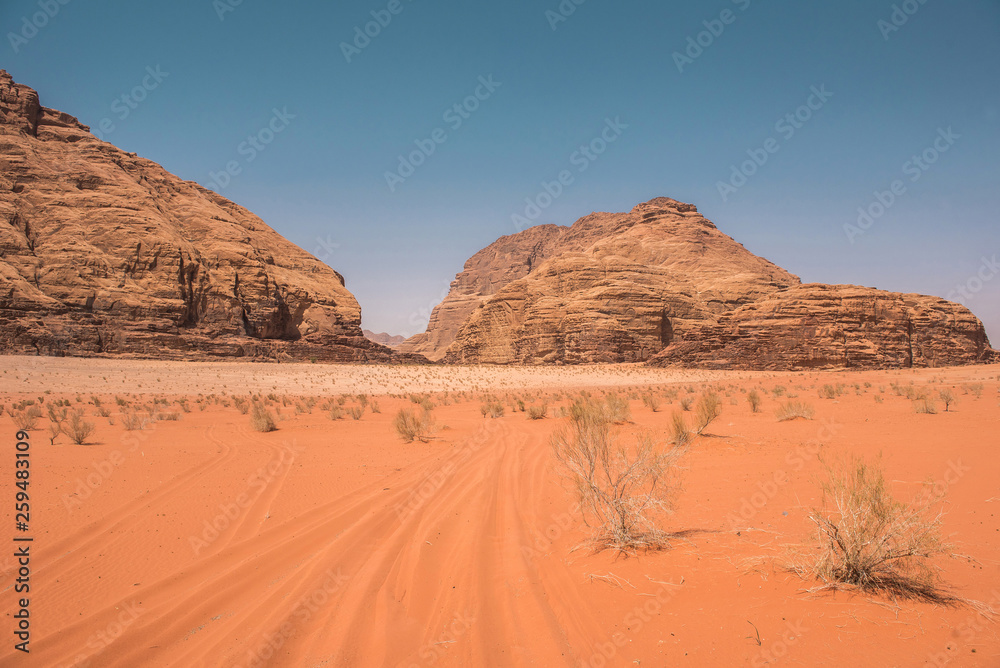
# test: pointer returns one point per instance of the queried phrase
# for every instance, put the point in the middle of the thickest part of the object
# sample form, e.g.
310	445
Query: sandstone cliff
661	284
105	253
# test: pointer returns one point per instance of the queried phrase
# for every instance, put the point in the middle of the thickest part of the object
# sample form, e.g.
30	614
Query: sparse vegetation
261	419
925	405
753	398
624	490
709	407
948	398
77	429
870	540
413	426
792	410
537	412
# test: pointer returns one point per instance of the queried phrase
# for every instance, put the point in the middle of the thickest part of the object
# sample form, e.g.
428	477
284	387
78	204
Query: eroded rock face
836	326
106	253
661	284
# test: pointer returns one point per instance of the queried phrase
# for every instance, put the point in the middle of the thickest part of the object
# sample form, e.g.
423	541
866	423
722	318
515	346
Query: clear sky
916	81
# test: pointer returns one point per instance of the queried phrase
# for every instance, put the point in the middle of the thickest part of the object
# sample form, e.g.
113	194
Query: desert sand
200	542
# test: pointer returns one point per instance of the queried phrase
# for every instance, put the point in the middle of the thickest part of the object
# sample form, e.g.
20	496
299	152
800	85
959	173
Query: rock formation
383	339
105	253
663	285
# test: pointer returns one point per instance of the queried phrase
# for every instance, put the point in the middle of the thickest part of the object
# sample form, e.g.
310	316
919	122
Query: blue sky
922	83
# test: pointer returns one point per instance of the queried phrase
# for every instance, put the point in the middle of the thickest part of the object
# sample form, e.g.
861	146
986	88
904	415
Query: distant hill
383	338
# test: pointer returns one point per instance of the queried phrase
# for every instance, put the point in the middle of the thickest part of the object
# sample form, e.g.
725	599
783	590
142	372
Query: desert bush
624	491
976	389
870	540
56	415
537	412
132	421
261	419
617	409
828	392
413	426
242	405
27	419
709	407
686	404
54	430
77	429
356	412
336	413
680	435
948	397
172	416
375	408
753	398
924	405
792	410
651	401
493	409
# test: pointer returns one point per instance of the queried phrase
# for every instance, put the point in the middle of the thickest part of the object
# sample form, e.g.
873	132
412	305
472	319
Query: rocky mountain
661	284
388	340
105	253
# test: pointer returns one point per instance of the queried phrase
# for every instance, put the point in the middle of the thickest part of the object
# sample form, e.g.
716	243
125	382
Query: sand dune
199	542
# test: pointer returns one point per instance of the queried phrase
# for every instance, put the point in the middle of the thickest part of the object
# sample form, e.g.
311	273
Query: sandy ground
199	542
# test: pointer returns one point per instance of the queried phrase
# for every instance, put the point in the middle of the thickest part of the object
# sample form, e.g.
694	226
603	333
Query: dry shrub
262	419
948	397
792	410
77	428
651	401
493	409
753	398
709	407
686	404
336	413
412	426
27	419
538	412
132	421
872	541
624	491
680	435
356	412
925	405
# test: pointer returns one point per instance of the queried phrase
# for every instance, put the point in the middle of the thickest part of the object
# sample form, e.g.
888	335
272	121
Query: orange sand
337	544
